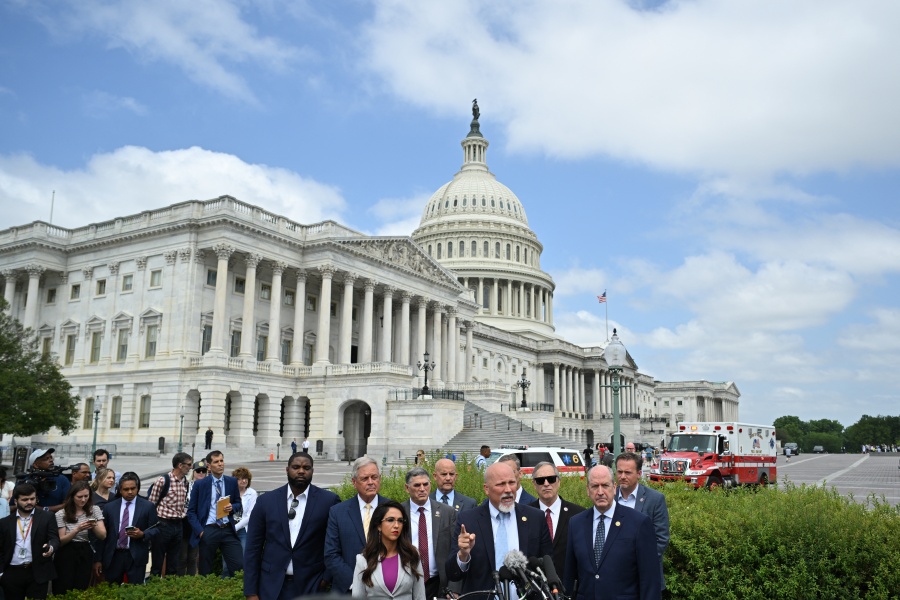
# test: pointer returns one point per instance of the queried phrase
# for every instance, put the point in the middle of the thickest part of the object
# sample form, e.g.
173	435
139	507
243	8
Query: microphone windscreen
506	574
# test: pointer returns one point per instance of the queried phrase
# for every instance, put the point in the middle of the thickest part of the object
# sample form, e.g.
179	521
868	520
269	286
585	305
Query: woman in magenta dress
389	565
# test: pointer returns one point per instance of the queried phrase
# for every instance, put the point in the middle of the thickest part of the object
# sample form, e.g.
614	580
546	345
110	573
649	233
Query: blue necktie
598	541
501	544
219	497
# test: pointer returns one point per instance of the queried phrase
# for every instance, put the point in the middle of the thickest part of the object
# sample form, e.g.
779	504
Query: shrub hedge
791	542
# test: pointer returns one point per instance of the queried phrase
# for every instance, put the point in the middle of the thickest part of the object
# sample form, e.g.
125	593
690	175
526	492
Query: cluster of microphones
534	578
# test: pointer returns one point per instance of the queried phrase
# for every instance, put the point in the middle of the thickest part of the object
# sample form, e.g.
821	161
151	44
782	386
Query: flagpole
606	308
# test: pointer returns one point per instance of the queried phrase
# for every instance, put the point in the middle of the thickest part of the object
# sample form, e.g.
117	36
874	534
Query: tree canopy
833	437
33	392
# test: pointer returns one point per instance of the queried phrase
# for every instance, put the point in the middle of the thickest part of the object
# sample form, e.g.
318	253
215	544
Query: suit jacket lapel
522	528
486	532
611	533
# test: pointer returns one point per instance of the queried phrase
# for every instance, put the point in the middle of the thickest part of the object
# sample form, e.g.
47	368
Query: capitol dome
476	227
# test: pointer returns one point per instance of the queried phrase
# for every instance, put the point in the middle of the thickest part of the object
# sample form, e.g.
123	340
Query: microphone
553	579
498	589
516	562
535	569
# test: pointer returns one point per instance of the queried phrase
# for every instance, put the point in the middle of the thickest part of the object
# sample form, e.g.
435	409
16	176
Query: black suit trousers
18	583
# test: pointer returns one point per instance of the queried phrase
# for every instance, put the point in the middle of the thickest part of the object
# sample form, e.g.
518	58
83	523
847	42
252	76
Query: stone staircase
495	430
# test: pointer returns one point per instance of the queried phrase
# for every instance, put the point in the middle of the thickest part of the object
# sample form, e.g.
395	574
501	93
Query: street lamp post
426	367
96	421
615	355
181	431
524	384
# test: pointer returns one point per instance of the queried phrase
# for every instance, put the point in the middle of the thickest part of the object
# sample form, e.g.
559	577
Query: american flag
602	298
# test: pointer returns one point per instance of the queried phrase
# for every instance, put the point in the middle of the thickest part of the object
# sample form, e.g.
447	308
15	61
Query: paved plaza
856	474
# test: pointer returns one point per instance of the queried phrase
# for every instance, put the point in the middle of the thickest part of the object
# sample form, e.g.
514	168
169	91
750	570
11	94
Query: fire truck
719	454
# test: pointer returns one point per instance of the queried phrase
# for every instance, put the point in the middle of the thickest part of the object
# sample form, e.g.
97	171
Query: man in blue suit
611	550
208	530
522	496
286	536
444	481
130	526
348	523
484	535
644	500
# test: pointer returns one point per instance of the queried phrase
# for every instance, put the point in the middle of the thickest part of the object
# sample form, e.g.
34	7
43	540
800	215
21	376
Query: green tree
33	392
872	430
831	442
791	429
826	426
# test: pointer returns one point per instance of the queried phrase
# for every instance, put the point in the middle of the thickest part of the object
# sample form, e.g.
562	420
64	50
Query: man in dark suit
131	525
348	523
643	499
285	555
611	550
28	541
210	531
431	525
522	497
557	511
444	492
484	535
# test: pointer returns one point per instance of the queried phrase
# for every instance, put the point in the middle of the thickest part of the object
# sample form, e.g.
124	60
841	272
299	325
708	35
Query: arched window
429	250
517	254
492	203
525	255
439	252
462	248
474	248
483	201
508	252
449	249
447	203
464	200
497	250
454	202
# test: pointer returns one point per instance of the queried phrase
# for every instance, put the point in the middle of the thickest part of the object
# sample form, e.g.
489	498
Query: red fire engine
715	454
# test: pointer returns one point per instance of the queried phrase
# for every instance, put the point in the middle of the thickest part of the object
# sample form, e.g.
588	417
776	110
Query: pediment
152	313
404	254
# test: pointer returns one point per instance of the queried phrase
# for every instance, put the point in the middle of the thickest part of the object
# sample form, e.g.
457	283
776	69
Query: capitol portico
266	330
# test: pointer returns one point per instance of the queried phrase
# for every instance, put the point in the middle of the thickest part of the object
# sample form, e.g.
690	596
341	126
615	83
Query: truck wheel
714	481
763	479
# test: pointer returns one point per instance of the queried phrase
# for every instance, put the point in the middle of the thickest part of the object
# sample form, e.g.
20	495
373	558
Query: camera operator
52	486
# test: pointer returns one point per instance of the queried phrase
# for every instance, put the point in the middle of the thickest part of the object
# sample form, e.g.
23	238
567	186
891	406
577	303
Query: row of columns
32	299
569	391
520	299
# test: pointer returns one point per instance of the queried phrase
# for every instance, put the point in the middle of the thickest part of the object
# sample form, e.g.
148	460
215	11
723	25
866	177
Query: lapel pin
566	508
524	519
437	514
618	524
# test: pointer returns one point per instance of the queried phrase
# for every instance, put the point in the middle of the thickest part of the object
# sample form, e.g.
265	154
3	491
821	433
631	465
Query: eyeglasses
551	479
200	470
393	520
293	511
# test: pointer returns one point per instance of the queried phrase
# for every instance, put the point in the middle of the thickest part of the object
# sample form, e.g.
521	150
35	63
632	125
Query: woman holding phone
76	520
389	565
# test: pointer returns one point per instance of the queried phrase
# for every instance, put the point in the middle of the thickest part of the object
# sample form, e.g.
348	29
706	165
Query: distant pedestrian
787	455
306	445
588	452
209	437
294	446
481	461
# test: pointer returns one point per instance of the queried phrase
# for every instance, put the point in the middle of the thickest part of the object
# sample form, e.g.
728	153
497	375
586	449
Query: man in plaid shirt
171	506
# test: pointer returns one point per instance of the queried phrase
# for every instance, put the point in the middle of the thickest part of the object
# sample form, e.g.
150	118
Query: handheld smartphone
131	528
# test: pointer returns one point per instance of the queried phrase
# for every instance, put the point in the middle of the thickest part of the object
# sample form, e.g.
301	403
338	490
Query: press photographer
52	486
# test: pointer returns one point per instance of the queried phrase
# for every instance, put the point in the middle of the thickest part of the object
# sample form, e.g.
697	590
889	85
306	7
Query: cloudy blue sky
728	170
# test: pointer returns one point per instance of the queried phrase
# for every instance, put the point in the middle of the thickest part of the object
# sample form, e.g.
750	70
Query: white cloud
207	39
99	104
133	179
705	86
398	216
578	280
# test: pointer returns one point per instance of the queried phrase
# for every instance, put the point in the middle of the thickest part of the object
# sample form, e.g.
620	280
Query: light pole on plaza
615	360
97	405
181	430
426	366
524	384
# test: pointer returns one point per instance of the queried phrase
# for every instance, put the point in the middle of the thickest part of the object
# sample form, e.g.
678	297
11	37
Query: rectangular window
128	282
122	352
211	277
115	413
679	403
88	422
96	339
261	343
484	363
152	334
334	309
75	291
206	342
235	343
145	412
514	369
239	284
311	303
289	297
156	278
45	346
286	352
101	287
70	350
265	291
308	353
51	296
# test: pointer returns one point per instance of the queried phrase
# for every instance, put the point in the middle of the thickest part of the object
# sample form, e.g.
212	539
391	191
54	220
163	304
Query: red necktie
550	524
423	543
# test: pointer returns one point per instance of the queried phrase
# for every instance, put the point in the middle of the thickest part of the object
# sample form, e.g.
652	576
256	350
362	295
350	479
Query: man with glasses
214	500
431	525
169	495
557	511
612	548
286	533
81	472
348	523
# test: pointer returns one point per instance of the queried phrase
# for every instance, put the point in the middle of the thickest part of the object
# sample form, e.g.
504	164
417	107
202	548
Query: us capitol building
220	314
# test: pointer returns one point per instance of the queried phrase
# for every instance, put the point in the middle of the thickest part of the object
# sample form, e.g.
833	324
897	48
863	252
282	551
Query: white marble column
223	253
404	328
34	300
595	394
365	331
387	324
556	385
299	320
532	314
273	350
549	307
346	342
422	329
495	296
323	334
248	322
9	288
436	337
509	306
481	295
452	344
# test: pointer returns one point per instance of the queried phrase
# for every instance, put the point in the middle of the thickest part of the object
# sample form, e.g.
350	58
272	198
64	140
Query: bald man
485	534
444	487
